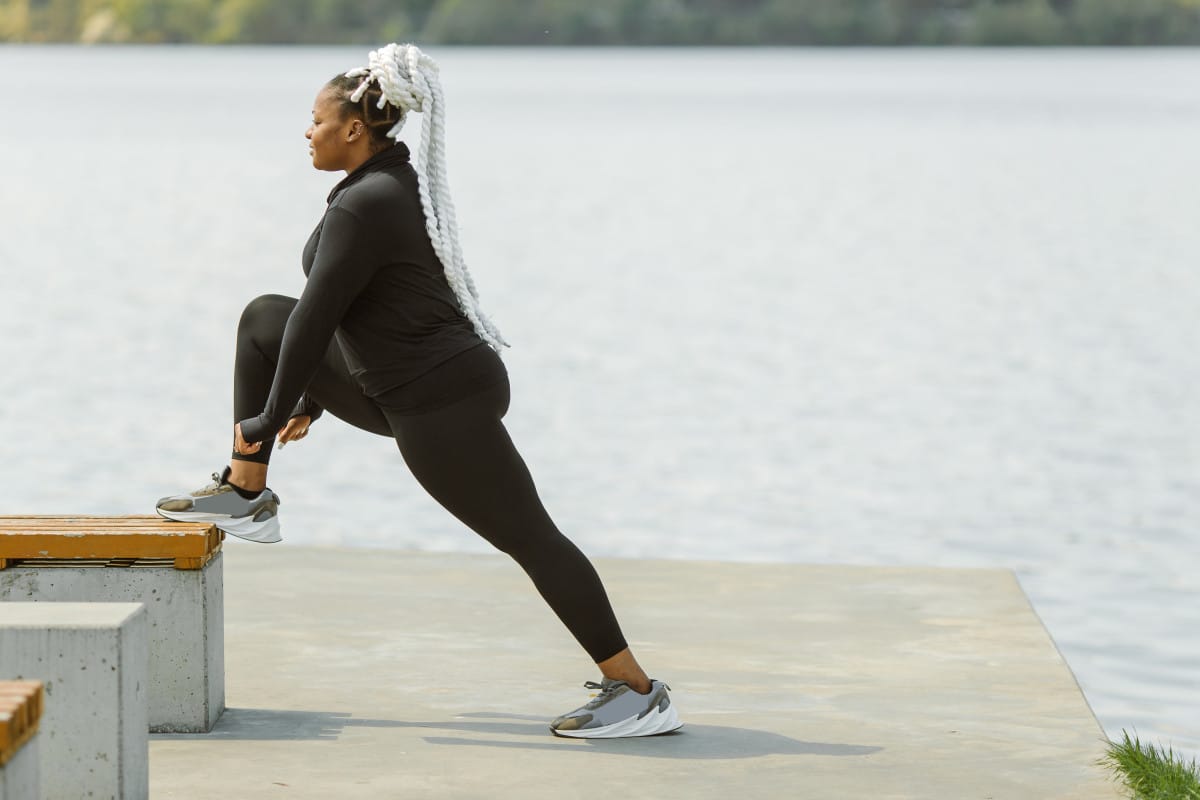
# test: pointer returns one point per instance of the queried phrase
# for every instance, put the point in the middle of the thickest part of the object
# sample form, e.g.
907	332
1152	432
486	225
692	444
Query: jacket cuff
308	407
256	429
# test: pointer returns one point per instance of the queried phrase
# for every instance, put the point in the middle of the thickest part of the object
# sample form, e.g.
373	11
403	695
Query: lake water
854	306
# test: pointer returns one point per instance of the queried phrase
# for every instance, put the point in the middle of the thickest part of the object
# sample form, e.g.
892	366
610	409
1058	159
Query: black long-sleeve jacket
376	284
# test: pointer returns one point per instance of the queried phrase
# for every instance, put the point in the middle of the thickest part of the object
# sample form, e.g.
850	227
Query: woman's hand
240	445
296	428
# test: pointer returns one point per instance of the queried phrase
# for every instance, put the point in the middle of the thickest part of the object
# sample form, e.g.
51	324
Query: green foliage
1017	22
163	20
1152	773
632	22
1132	22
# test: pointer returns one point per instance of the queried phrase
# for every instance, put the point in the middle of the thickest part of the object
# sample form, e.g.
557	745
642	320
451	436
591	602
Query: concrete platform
186	690
92	659
367	674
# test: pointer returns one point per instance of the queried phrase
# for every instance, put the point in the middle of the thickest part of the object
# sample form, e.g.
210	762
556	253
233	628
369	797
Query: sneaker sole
649	725
265	532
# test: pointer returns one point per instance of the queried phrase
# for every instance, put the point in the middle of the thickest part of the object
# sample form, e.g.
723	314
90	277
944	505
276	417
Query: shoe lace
216	484
603	693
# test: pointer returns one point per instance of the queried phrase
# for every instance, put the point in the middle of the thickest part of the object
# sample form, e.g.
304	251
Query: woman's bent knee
267	312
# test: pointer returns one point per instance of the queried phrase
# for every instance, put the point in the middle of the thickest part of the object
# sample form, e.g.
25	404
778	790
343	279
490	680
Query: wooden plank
43	544
91	520
98	563
128	530
99	525
86	530
125	530
172	528
19	700
88	517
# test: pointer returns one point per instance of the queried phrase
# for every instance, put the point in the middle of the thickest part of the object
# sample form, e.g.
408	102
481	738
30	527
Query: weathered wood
189	544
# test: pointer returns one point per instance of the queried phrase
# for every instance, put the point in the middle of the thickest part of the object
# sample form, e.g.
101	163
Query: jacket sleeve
308	407
342	267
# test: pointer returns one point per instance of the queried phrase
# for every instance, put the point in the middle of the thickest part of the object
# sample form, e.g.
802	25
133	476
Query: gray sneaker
620	711
255	520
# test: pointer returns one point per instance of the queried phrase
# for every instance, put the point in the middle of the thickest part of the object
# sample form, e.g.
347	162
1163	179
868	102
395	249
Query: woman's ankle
248	475
624	667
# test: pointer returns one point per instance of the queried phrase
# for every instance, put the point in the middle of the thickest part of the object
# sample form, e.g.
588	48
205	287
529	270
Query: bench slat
96	522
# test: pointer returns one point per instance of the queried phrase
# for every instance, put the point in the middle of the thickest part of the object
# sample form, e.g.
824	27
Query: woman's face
332	139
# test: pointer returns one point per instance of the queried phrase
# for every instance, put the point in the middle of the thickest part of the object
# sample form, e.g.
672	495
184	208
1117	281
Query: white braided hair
409	81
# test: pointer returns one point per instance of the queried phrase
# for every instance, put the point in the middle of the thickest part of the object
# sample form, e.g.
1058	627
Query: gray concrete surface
92	658
184	615
20	778
367	674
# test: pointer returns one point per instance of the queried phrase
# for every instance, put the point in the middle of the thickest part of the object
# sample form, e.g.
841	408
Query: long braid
408	79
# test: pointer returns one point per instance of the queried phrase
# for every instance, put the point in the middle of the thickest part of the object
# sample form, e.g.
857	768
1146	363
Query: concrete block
93	659
20	775
185	615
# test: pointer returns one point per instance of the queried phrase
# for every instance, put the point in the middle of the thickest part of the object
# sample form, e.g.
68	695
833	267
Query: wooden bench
174	568
20	711
107	541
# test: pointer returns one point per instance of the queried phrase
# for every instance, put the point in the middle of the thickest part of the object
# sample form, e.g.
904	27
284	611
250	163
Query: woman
388	335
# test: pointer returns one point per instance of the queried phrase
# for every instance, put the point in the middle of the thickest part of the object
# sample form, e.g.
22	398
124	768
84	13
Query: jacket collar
385	159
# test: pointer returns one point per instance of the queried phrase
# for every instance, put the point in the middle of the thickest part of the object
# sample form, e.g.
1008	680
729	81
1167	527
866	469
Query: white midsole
265	532
649	725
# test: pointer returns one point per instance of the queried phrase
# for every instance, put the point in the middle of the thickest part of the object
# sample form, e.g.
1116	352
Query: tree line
606	22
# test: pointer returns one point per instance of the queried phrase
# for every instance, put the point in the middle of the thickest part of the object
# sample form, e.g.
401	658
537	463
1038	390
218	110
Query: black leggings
461	454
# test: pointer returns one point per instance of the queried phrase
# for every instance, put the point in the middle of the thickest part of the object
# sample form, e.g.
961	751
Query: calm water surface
878	307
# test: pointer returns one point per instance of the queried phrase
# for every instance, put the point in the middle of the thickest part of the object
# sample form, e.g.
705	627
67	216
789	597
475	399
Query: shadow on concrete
261	724
693	741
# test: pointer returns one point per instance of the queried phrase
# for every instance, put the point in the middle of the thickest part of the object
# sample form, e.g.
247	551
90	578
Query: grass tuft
1152	773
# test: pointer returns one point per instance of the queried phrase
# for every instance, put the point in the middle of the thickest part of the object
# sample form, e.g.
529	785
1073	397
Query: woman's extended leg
260	334
463	456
